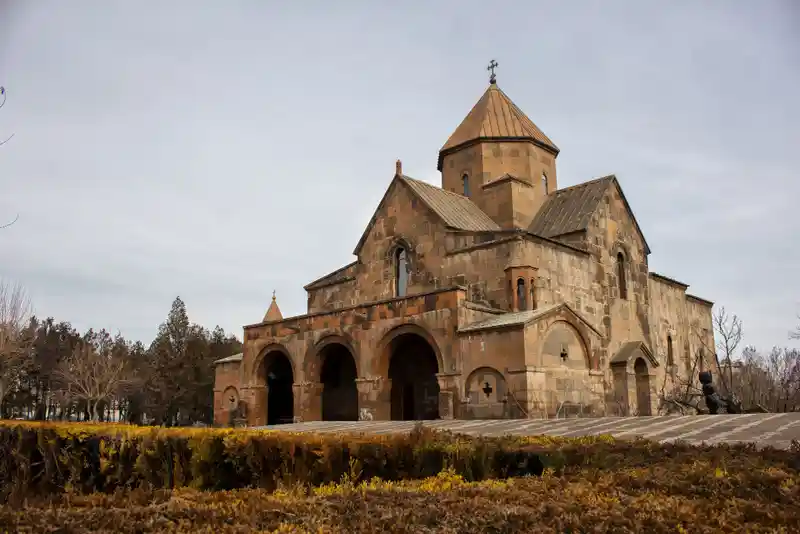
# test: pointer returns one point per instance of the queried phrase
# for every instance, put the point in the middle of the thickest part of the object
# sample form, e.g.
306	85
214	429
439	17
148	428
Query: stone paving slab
776	430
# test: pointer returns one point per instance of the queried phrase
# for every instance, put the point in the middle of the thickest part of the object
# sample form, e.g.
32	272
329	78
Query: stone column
256	399
307	401
373	398
448	394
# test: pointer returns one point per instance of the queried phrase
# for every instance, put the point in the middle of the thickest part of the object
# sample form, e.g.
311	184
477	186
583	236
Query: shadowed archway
338	376
642	387
279	380
412	369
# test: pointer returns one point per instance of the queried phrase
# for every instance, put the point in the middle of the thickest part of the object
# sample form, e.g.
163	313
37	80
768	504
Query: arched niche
563	345
485	385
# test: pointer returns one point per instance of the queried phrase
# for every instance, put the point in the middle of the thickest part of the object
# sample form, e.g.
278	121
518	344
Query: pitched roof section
273	312
522	318
339	275
456	211
496	116
570	209
230	359
627	351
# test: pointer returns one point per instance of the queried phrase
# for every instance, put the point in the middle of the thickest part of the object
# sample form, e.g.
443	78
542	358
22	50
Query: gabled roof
230	359
339	275
456	211
627	350
570	209
495	116
521	318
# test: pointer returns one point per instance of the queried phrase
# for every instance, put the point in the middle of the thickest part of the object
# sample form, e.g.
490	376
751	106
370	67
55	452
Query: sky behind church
220	150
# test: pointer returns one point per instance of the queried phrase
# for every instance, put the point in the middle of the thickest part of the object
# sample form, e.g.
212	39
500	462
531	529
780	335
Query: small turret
273	312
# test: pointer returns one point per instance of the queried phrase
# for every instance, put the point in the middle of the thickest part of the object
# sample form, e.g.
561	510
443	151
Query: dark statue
715	402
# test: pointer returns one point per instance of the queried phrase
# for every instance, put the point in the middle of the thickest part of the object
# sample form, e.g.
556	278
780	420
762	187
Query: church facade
496	295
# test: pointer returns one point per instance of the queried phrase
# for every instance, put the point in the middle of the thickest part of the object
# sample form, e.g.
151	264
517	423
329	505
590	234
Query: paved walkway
776	430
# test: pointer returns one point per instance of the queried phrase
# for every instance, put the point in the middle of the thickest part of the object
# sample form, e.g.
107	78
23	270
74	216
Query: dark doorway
412	370
642	387
280	397
338	377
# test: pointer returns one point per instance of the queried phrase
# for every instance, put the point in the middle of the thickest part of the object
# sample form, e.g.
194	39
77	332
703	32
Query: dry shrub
590	484
49	458
711	490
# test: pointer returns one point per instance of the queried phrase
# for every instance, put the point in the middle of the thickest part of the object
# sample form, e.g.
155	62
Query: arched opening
280	397
401	271
521	305
533	294
338	377
544	183
670	354
621	281
412	370
465	184
642	387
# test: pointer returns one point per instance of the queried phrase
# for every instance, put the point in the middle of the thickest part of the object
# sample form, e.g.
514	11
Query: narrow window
623	286
465	184
544	183
533	295
401	271
701	357
521	294
670	357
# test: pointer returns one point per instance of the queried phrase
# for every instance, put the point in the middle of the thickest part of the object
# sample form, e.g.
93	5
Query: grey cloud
220	151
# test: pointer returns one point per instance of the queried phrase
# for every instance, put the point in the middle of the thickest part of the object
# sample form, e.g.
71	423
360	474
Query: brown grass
695	490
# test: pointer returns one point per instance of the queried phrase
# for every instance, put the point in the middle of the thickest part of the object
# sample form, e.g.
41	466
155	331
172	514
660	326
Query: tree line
753	379
50	371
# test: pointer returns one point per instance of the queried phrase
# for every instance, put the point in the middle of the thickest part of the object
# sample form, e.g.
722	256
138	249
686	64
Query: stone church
496	295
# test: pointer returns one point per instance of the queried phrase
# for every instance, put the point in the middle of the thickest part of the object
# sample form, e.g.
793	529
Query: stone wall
366	331
402	219
700	333
487	162
227	384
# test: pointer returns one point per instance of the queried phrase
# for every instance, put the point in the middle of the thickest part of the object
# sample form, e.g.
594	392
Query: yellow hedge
47	458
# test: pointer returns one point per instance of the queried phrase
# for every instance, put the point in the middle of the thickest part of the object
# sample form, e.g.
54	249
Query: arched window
521	294
401	271
623	285
670	355
465	184
533	295
544	183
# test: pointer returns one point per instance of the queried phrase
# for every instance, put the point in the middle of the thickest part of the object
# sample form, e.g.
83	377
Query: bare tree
15	311
728	330
783	366
796	333
684	394
94	374
2	142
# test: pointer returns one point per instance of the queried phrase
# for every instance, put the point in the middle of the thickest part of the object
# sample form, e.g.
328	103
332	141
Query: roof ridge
525	121
587	182
456	195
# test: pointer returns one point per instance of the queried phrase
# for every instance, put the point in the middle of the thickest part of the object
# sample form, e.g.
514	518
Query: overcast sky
220	150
